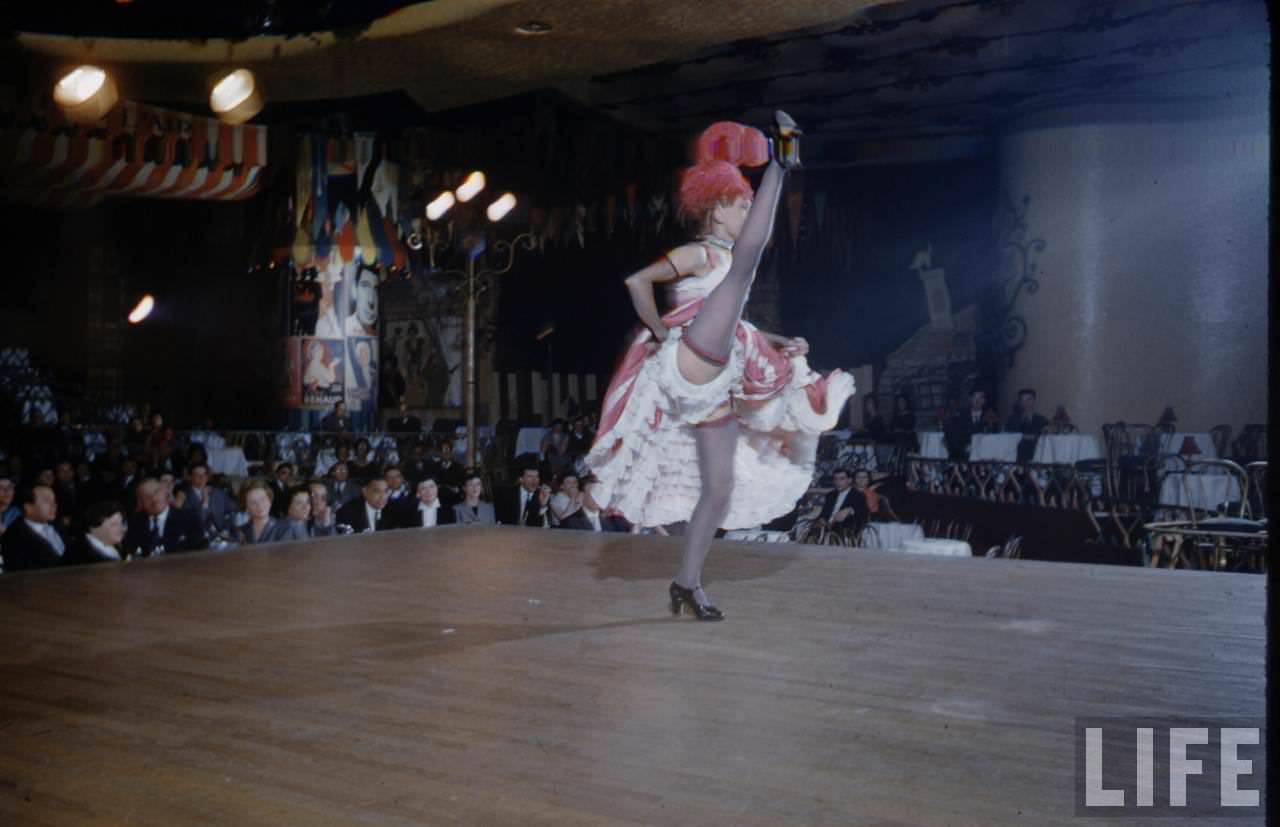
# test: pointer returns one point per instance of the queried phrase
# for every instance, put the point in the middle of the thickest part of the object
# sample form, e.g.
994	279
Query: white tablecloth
890	536
529	441
1066	449
944	548
994	447
931	445
755	535
1201	491
229	461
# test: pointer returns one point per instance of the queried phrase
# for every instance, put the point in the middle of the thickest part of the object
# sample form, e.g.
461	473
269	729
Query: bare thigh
693	367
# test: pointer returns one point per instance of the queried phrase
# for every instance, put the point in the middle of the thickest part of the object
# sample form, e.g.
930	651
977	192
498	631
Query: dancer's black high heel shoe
682	598
785	140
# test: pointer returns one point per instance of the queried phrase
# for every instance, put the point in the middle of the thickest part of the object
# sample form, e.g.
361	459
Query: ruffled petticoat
647	462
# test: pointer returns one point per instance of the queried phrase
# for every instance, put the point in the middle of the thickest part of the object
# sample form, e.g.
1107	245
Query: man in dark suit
425	510
336	421
420	466
211	506
527	503
159	525
99	543
369	513
448	474
32	541
341	489
1026	421
280	485
844	508
404	423
961	427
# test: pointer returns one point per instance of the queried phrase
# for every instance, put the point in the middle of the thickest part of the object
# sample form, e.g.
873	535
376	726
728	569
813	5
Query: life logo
1150	766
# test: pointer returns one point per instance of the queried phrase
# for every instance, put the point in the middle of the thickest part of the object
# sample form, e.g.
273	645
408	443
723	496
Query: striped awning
137	150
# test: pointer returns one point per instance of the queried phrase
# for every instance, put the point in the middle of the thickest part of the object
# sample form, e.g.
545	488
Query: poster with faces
323	374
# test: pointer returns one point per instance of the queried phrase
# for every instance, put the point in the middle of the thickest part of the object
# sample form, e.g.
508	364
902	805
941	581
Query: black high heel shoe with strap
785	140
682	598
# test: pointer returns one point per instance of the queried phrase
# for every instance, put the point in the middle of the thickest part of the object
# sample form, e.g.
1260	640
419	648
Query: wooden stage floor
516	676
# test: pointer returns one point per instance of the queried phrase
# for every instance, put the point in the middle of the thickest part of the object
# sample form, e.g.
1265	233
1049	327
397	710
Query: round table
890	536
932	445
1066	449
994	447
942	548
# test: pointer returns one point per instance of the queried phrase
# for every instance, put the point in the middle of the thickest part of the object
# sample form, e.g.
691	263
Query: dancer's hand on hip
795	346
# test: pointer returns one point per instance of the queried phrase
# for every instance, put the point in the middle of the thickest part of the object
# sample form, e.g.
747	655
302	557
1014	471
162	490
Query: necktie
155	531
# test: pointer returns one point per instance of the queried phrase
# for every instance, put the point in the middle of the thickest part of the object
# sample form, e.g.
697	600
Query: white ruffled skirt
647	465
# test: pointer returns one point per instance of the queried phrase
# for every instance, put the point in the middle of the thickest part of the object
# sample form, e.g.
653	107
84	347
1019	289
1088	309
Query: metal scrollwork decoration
1018	272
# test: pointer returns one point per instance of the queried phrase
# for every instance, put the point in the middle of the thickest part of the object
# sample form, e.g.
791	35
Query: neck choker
716	241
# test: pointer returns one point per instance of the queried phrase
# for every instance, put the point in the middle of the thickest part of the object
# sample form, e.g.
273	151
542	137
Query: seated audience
398	490
580	438
555	448
157	526
33	542
321	523
8	511
281	482
873	424
473	510
843	508
1024	420
528	503
369	512
567	504
363	465
342	489
904	416
297	518
405	423
427	510
336	421
960	427
449	475
100	542
212	507
421	465
877	505
261	527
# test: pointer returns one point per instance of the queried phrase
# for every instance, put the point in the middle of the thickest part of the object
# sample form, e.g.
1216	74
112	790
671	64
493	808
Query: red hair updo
714	177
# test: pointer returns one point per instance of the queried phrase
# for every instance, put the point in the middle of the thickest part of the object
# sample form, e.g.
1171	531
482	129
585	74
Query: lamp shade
86	93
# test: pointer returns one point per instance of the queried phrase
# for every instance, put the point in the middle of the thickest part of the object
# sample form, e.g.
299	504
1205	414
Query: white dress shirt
430	513
372	515
104	551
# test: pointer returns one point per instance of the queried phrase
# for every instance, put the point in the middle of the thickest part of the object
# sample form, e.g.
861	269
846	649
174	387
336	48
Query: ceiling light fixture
236	97
86	94
499	209
142	310
444	201
471	187
533	28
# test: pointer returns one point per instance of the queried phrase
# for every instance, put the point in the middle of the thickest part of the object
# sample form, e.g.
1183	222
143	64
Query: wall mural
345	244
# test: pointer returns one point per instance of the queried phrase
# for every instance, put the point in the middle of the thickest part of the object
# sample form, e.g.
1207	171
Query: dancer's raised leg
711	333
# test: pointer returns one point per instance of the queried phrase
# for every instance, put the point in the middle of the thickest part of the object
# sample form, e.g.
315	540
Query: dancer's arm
682	261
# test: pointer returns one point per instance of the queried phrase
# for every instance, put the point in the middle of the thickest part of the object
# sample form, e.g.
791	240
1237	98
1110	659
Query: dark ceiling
176	19
953	72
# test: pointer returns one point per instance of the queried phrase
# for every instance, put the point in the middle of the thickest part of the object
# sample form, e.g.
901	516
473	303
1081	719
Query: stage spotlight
471	187
499	209
86	94
444	201
236	97
142	310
